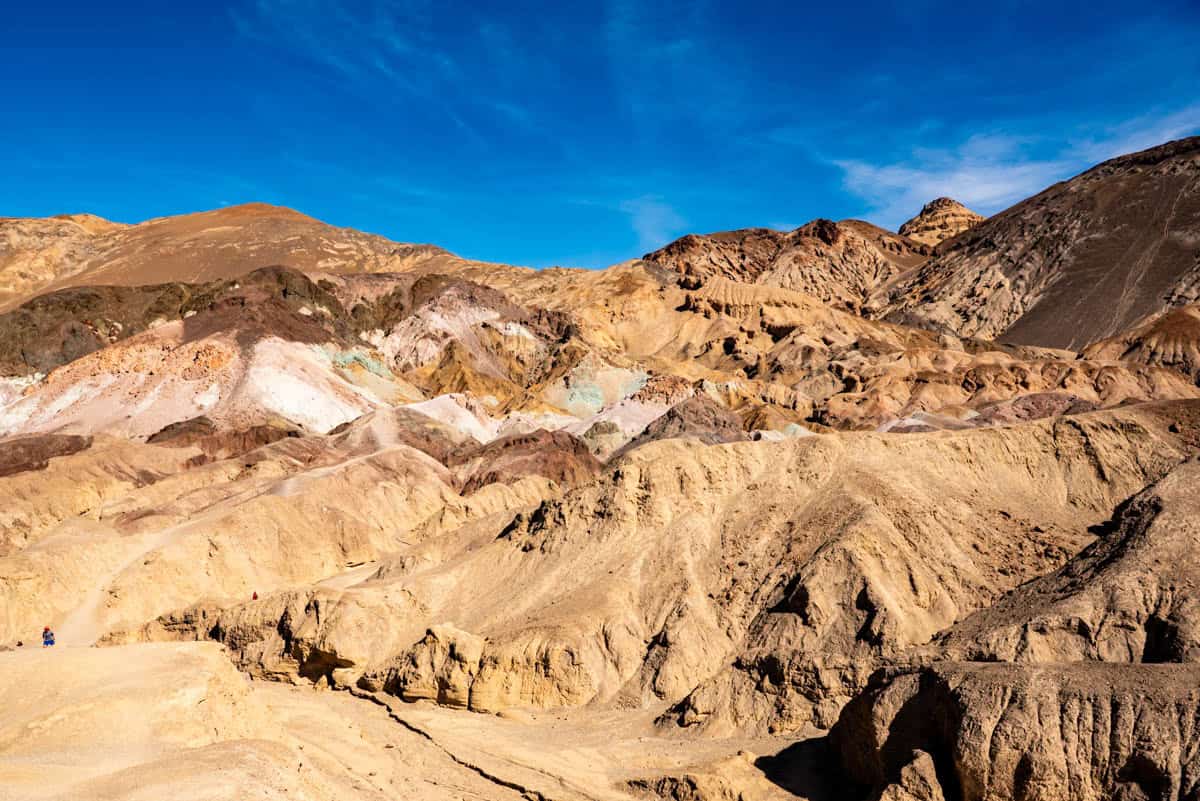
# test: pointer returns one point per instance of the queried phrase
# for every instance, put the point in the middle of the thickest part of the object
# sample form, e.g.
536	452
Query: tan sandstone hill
939	220
1002	731
1171	339
1129	597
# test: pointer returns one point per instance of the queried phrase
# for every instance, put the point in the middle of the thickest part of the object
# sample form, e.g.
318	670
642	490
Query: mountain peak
939	220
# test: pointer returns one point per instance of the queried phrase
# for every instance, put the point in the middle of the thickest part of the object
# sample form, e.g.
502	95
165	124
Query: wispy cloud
1139	133
654	221
390	51
985	173
990	172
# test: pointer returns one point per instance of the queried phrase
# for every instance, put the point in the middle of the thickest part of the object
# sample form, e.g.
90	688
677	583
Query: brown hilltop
1082	260
37	255
939	220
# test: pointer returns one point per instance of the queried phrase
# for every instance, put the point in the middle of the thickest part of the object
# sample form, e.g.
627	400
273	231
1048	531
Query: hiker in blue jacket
47	637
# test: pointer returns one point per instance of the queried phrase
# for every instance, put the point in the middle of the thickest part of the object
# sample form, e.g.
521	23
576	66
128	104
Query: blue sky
577	134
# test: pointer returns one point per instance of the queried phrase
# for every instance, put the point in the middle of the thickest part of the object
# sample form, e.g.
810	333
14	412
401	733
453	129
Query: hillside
37	255
1080	261
839	263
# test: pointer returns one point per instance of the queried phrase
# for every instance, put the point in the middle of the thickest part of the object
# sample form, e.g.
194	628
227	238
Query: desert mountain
613	348
839	263
1171	339
316	515
1080	261
82	250
939	220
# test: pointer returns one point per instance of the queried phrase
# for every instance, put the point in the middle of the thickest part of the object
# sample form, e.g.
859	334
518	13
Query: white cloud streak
990	172
654	221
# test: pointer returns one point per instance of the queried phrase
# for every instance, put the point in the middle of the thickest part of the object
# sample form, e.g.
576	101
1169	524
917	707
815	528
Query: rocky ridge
838	263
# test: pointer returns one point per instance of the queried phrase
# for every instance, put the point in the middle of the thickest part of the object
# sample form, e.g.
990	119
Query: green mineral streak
344	359
583	399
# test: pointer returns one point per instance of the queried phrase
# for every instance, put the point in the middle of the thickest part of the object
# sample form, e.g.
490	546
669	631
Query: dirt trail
82	627
355	575
385	440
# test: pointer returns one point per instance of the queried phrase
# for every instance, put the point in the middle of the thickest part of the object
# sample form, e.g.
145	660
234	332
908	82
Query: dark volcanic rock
698	417
216	444
54	329
35	452
557	455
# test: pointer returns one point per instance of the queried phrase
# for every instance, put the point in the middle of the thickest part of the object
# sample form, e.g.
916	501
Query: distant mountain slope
840	263
939	220
1168	340
1082	260
37	255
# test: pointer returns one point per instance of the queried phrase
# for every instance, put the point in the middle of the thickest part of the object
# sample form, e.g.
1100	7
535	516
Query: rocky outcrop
1132	596
741	777
945	389
939	220
34	252
1081	261
996	731
199	432
34	453
840	263
320	635
460	670
556	455
917	781
1171	340
698	417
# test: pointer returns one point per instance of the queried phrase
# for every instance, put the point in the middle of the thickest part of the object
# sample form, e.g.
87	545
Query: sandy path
385	440
82	626
355	575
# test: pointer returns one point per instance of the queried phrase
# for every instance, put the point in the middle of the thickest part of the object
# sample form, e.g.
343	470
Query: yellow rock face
940	220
